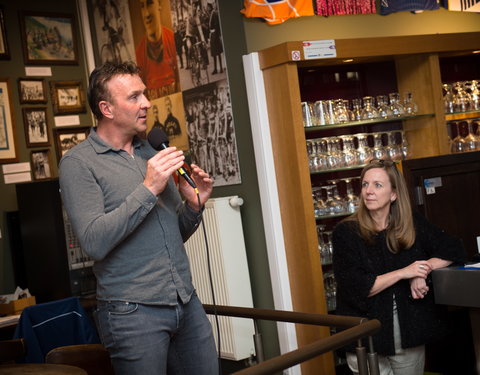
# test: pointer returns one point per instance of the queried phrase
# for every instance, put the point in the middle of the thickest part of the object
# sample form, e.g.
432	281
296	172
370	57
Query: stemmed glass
365	153
410	106
472	141
448	98
384	110
319	206
322	246
394	151
369	112
461	98
406	153
356	109
340	208
395	105
340	111
352	200
458	143
350	154
379	151
334	207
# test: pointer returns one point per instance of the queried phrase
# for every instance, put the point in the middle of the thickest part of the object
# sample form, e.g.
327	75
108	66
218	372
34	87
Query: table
40	369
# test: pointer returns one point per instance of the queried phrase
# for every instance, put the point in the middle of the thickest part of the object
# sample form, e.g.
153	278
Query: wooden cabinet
417	69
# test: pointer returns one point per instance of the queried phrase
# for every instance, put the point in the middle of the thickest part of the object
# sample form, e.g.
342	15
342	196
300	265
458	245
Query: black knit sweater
356	266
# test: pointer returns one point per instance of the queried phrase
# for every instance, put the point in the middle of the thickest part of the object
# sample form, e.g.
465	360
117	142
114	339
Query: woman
382	257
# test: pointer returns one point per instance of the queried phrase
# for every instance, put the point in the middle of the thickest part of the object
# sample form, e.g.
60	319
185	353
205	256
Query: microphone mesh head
157	137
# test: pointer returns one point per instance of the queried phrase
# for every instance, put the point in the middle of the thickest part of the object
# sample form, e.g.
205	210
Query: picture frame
67	97
32	91
66	138
41	164
48	38
8	142
36	126
4	50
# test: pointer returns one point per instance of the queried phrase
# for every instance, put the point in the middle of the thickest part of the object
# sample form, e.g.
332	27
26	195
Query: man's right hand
160	167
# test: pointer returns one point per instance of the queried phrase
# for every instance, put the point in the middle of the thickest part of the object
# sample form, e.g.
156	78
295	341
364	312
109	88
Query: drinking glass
350	154
365	153
458	142
340	111
369	111
405	147
461	98
322	246
321	116
352	200
340	208
395	105
383	108
334	207
472	141
307	114
411	108
448	98
356	109
379	151
319	206
475	95
394	151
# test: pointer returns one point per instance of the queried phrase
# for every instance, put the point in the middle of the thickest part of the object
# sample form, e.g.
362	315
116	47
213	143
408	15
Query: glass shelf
363	122
332	216
360	166
461	115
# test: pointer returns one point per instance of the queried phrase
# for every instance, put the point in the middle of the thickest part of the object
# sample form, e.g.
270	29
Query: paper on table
475	265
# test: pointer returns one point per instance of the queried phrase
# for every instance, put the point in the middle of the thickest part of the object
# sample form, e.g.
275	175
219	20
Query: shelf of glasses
363	122
461	115
343	214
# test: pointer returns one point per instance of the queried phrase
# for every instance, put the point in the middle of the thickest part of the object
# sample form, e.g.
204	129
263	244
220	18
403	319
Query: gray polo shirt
135	238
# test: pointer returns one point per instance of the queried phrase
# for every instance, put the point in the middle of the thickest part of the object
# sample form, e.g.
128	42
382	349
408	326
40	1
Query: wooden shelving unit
416	60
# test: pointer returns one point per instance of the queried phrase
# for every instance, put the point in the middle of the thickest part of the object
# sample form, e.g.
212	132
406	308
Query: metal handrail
356	328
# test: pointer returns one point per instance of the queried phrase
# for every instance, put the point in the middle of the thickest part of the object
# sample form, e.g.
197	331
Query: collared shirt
135	238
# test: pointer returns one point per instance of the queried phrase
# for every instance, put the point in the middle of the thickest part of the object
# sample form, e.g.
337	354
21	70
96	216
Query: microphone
158	139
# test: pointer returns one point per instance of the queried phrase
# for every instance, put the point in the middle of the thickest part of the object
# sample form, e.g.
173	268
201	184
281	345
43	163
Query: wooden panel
420	74
376	47
296	205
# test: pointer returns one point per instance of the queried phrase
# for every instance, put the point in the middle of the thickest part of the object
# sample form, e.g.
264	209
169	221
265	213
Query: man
172	125
129	217
156	55
156	122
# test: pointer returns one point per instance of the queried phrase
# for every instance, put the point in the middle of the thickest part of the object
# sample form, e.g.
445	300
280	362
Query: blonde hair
400	231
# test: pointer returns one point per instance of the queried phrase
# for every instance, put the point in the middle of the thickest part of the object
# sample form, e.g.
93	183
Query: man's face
129	104
151	16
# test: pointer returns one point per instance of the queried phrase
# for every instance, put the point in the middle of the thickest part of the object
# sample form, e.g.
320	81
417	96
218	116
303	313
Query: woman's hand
420	268
418	287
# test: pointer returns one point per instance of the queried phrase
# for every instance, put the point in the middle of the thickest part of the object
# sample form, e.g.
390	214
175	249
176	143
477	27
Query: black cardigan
356	266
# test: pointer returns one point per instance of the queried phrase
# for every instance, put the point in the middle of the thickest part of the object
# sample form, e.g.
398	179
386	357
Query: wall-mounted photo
8	152
48	38
67	97
112	28
32	90
36	129
66	138
41	164
4	52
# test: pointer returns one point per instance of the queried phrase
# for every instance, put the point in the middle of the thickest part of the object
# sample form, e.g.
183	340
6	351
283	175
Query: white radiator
231	280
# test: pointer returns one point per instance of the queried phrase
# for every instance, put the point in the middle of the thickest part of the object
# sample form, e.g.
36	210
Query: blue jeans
157	340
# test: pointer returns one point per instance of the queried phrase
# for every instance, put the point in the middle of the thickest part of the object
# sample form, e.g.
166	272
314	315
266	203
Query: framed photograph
67	97
8	144
66	138
48	38
4	52
36	129
40	160
32	90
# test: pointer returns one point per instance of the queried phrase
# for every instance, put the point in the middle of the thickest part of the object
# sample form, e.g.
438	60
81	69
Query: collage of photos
178	46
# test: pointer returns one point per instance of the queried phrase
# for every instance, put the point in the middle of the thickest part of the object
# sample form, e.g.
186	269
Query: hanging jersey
277	11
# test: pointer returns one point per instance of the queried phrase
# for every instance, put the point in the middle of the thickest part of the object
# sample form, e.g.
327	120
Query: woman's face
377	192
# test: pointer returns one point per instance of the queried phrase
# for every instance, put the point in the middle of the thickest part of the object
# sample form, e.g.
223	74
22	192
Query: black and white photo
36	128
32	90
41	164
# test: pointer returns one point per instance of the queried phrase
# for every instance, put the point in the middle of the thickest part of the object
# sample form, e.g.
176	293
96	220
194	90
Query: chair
49	325
12	350
93	358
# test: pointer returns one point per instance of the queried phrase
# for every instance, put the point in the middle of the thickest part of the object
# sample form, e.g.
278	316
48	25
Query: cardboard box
16	307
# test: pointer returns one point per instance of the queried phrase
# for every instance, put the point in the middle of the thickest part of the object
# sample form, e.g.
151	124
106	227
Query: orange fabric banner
277	11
